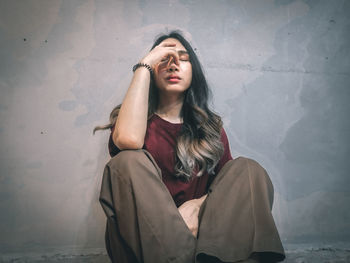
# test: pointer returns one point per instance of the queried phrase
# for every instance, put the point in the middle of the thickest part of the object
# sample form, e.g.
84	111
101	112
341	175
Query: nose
172	66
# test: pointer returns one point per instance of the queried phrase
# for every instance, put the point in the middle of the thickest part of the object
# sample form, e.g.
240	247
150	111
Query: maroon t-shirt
160	141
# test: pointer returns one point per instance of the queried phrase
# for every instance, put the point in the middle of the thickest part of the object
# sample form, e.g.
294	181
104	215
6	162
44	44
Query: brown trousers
144	225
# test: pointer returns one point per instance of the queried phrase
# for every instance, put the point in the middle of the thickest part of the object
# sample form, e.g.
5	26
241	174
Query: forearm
131	123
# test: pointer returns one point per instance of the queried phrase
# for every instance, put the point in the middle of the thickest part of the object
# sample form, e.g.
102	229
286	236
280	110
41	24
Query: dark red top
160	141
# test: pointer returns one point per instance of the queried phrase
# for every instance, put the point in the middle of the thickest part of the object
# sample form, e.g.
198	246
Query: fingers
169	62
194	232
165	44
171	56
164	54
170	52
176	58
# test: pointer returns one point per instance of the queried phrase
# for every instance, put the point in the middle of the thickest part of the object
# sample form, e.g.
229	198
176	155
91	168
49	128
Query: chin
174	89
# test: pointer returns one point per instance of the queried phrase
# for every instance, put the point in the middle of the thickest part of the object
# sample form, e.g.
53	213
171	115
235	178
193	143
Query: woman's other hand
189	212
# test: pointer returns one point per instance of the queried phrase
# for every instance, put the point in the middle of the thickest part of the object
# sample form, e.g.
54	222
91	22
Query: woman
171	191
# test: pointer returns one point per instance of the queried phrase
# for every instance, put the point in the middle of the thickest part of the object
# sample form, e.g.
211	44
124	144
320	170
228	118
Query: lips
173	77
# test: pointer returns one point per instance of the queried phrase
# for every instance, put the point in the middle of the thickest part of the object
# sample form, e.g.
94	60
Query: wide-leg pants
144	225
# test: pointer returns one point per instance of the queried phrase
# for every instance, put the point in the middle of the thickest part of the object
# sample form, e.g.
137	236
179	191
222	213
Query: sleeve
227	153
113	149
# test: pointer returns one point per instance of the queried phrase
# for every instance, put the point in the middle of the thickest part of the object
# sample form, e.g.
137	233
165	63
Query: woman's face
171	77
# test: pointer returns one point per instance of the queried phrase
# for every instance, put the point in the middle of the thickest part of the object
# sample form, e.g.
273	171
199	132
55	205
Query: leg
117	249
236	219
141	214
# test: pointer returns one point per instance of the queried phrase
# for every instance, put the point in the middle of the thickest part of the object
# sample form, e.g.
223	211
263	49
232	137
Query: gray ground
325	255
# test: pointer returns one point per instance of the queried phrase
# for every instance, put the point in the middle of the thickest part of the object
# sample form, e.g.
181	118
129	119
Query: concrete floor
319	256
326	255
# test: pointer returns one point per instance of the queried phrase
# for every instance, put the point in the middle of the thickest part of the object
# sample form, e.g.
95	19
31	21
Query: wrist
147	60
142	65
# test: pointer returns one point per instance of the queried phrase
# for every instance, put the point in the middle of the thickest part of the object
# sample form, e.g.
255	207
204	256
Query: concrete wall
279	71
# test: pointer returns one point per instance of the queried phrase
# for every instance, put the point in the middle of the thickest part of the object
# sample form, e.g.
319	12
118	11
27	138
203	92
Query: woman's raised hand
164	52
131	125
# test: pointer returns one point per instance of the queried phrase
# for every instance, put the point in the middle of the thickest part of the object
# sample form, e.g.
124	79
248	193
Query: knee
245	161
248	161
126	158
256	172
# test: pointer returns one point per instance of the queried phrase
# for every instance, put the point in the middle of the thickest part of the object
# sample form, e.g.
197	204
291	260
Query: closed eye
184	57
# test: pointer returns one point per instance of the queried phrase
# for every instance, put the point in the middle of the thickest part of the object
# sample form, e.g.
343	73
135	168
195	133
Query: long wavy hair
199	147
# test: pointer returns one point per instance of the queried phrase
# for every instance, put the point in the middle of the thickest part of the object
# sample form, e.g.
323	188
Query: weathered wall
279	71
